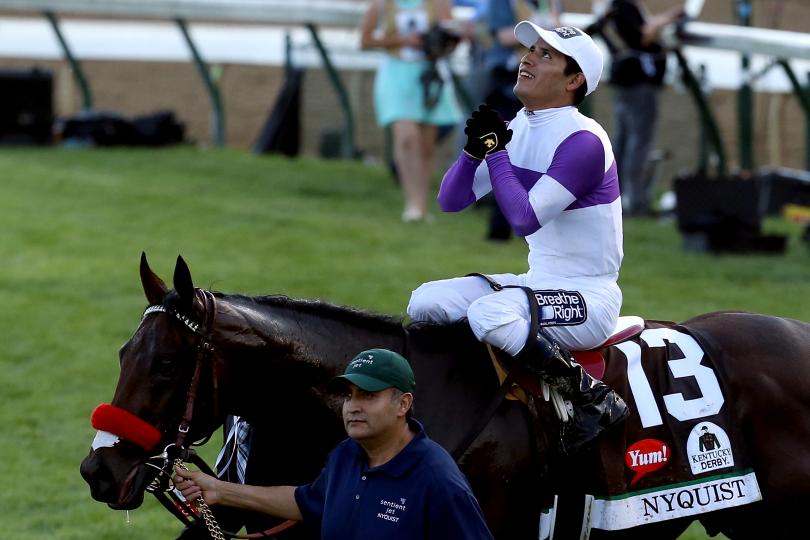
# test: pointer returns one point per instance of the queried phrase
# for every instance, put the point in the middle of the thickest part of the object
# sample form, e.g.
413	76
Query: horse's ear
153	286
182	282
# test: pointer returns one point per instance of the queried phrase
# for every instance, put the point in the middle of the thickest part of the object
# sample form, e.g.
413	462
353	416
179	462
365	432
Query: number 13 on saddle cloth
680	453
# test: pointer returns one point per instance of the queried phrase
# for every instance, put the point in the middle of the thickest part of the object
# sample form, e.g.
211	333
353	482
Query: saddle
516	380
591	360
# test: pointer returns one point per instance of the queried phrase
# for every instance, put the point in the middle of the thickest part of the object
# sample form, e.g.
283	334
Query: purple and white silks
577	166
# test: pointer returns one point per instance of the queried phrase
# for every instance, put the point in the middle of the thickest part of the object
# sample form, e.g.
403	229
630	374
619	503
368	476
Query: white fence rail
321	12
347	14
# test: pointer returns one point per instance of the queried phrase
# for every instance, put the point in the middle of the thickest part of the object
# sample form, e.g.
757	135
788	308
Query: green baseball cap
377	369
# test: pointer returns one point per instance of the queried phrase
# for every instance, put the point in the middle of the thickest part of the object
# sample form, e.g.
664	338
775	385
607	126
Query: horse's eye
163	366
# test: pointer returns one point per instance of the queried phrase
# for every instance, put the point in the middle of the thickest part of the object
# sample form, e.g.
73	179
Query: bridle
204	355
177	453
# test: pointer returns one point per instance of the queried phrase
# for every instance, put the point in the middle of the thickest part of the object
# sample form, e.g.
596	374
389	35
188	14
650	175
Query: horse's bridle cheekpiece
175	454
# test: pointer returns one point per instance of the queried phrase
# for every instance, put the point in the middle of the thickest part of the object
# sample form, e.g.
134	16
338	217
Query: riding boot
596	407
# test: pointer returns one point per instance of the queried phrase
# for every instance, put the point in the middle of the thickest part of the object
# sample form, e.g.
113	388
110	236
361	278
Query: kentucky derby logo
709	448
646	456
566	32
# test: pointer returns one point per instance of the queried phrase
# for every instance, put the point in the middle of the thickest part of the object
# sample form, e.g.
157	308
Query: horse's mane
374	322
422	335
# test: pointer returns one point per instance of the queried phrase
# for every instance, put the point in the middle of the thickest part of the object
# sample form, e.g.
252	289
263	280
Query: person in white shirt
553	175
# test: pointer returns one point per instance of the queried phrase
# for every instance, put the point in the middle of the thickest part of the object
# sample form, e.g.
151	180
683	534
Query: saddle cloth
680	452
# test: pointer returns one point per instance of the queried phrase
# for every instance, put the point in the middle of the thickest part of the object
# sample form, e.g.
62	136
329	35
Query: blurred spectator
476	32
637	72
501	62
410	92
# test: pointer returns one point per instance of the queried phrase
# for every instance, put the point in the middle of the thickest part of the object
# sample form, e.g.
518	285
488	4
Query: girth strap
484	417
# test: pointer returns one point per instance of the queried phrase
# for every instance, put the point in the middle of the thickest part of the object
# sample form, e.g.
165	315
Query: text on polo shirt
391	510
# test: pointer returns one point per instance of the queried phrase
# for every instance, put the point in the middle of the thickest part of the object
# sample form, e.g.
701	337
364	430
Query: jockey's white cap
571	42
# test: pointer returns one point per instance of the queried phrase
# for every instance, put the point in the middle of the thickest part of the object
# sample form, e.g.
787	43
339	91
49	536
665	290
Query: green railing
75	65
803	93
217	114
348	149
745	96
710	133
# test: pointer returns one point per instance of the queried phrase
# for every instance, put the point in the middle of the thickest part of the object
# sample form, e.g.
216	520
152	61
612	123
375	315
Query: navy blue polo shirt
420	493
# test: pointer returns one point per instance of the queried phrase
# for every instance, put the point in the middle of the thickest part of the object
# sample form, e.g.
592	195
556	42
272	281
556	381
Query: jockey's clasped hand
486	133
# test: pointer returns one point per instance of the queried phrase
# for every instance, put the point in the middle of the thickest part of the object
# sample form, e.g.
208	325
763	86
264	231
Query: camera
439	41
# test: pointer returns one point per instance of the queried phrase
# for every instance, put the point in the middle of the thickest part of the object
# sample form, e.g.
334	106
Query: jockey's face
542	82
369	416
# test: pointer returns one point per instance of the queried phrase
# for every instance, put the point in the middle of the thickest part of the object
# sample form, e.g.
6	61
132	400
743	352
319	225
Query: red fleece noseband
124	424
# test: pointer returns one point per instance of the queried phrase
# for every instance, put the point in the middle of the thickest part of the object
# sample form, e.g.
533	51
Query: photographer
410	92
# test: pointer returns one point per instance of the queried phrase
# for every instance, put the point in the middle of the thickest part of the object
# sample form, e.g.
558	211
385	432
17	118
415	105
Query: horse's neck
293	345
322	333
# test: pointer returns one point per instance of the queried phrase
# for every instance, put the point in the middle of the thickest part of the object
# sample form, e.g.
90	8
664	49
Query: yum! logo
646	456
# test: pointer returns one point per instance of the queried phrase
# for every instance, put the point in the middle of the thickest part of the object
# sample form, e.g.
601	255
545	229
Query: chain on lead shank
208	516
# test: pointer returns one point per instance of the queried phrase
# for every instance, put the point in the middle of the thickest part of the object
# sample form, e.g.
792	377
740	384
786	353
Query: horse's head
166	394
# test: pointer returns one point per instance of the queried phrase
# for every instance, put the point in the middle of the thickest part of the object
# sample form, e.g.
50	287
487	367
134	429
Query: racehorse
199	356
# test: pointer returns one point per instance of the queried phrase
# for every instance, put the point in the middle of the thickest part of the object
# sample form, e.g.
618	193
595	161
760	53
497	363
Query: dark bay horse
272	356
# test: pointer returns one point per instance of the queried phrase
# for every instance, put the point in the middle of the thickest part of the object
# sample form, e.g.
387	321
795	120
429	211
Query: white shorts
502	318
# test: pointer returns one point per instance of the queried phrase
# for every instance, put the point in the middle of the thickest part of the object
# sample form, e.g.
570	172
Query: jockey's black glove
486	133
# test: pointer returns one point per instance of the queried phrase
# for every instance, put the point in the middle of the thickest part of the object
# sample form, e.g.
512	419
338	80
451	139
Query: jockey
553	175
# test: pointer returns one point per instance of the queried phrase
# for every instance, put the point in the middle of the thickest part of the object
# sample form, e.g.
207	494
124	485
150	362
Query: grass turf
74	222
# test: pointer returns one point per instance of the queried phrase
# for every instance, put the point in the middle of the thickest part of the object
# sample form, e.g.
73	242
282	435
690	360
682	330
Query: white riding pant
502	319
